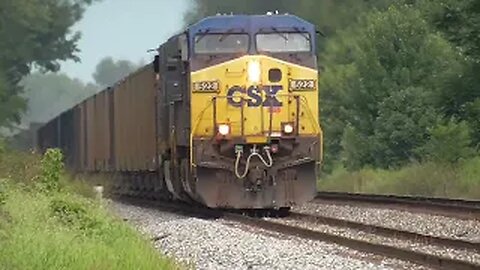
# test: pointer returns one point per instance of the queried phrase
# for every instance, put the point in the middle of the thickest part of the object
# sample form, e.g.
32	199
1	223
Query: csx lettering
254	94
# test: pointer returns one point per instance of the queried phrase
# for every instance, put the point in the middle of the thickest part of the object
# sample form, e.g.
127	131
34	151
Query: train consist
226	116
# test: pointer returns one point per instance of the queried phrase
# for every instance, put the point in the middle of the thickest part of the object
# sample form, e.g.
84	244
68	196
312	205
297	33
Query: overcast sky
124	29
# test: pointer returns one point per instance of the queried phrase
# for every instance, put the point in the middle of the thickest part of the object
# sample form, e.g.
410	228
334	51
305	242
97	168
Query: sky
124	29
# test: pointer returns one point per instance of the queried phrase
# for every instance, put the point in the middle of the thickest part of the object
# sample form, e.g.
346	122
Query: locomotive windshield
279	42
221	43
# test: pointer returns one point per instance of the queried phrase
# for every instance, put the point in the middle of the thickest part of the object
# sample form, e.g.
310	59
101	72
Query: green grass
429	179
62	229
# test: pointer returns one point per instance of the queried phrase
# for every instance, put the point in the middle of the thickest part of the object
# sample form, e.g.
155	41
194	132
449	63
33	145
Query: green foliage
19	167
36	239
52	170
63	230
75	214
460	21
3	147
3	191
108	71
380	78
449	143
33	34
355	149
429	179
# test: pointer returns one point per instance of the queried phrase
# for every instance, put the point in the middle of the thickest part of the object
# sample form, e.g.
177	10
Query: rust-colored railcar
134	122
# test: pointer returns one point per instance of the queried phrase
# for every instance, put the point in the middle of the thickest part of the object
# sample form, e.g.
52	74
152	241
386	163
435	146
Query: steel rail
388	232
465	209
421	258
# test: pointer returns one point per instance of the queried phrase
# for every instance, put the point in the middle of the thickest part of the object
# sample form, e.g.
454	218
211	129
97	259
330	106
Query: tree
33	33
449	142
50	94
381	79
108	71
460	21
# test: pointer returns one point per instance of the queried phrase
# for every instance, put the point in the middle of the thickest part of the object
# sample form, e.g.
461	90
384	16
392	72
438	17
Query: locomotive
226	116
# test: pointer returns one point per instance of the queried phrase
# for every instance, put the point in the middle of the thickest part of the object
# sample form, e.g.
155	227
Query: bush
449	143
52	170
354	149
3	192
74	214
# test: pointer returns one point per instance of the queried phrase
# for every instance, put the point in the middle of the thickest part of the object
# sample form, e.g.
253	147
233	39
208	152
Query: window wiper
226	34
305	35
279	33
202	36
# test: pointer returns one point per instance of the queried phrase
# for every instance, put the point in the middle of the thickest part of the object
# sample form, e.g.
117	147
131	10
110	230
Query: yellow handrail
316	125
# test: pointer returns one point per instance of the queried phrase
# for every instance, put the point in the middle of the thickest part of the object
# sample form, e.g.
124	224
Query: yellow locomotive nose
256	99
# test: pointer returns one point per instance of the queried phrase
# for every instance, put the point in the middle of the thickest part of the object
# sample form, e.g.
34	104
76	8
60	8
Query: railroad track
277	225
418	257
465	209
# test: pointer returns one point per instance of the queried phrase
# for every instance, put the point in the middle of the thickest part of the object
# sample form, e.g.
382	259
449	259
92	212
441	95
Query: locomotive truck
226	116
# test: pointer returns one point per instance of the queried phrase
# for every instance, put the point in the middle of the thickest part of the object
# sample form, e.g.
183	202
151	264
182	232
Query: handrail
317	125
194	129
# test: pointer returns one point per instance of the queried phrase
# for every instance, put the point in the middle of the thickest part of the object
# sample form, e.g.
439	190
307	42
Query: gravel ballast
427	224
223	244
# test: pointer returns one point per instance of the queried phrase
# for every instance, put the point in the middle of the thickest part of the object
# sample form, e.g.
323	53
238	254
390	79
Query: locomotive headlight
223	129
254	72
288	128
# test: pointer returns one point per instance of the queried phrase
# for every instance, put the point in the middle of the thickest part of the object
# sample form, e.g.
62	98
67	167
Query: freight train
226	116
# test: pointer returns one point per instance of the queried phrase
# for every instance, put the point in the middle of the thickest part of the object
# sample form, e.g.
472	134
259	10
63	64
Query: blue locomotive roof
250	23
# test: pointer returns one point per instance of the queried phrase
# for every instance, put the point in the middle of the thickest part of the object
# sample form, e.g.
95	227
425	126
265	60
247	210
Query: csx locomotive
226	116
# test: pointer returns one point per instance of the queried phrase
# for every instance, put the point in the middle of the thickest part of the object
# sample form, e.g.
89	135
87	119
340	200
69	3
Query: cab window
279	42
221	43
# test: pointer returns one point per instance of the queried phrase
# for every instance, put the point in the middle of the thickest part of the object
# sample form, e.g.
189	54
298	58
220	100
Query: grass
430	179
61	229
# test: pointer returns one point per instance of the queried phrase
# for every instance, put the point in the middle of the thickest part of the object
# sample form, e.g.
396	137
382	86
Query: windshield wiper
202	36
305	35
279	33
227	33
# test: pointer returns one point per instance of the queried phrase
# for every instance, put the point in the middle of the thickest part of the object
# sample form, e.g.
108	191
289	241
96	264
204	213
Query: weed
3	191
52	170
74	214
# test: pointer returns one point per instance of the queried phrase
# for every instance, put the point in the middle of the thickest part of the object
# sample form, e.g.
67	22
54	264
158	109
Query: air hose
247	164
